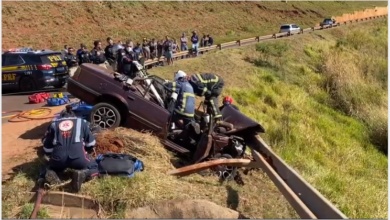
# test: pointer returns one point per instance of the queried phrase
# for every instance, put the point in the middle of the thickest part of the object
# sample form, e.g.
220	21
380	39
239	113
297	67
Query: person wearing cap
210	86
182	106
228	100
71	61
110	54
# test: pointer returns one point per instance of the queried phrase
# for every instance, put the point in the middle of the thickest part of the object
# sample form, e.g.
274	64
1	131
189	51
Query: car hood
242	123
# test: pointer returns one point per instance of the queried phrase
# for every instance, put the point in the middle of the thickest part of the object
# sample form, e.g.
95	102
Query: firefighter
110	53
210	86
83	55
97	54
228	100
182	108
127	61
66	143
71	61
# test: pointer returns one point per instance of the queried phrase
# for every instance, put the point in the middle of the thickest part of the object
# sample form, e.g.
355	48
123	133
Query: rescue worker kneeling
210	86
66	142
182	107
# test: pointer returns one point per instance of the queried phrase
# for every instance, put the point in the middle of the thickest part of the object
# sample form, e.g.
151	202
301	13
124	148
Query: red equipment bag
38	97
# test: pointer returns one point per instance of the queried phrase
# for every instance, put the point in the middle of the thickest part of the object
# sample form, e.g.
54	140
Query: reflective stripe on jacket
185	103
205	82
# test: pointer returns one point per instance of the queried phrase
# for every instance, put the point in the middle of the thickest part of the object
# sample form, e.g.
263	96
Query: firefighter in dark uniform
97	54
83	55
127	61
182	107
110	53
66	142
71	61
210	86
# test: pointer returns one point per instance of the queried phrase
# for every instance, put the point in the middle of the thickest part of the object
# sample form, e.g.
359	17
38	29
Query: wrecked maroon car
141	103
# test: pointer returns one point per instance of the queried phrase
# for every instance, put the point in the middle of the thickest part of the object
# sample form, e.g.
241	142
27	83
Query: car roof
29	51
287	24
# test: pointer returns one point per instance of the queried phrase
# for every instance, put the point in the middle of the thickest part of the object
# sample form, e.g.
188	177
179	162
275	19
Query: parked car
24	69
290	28
141	103
327	21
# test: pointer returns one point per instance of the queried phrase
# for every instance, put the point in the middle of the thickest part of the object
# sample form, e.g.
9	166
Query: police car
24	69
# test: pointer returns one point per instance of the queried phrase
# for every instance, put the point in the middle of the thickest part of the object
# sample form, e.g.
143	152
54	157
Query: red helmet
228	100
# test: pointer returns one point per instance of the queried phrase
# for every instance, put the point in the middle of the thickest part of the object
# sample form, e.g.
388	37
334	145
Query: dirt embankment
53	24
377	11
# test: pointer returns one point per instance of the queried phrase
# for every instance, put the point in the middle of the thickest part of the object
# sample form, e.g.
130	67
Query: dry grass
333	151
258	198
53	24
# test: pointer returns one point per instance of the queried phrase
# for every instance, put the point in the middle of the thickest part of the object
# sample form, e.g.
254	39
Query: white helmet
180	74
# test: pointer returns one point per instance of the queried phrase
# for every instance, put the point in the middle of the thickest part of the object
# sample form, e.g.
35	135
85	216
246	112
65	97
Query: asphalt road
13	102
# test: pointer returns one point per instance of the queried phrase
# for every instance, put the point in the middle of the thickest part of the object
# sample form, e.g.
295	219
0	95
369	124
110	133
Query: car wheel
105	115
27	84
225	172
59	86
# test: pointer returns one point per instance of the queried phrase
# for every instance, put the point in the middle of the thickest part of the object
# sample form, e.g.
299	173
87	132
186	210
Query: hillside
313	94
53	24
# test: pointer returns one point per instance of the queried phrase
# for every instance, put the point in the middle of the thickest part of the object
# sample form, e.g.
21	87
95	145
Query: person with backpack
66	143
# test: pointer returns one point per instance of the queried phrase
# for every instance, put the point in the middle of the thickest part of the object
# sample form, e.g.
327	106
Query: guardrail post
257	38
238	42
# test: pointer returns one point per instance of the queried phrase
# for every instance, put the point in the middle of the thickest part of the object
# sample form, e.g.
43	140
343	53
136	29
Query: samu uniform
67	141
185	102
210	86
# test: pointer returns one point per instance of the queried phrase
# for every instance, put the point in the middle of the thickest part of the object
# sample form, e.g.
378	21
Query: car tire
227	173
27	84
105	115
60	86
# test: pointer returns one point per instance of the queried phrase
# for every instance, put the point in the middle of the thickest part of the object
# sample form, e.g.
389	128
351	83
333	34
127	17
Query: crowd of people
119	56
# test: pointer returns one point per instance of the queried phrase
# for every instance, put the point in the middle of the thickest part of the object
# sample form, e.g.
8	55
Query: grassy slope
330	148
53	24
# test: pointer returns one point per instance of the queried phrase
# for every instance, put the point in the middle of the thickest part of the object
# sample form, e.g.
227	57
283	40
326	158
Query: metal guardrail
257	39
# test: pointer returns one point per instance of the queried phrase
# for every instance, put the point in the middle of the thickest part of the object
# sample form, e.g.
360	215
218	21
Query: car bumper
55	80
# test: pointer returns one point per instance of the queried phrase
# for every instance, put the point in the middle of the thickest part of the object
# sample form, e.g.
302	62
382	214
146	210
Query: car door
13	68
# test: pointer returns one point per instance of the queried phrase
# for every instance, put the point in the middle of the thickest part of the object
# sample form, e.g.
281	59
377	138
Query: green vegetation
53	24
323	104
321	97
